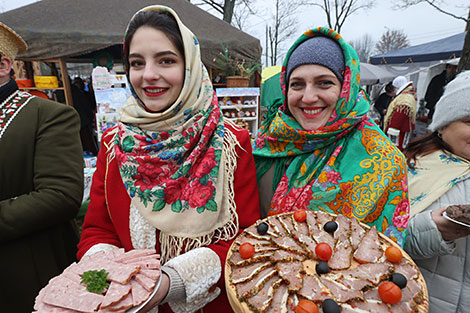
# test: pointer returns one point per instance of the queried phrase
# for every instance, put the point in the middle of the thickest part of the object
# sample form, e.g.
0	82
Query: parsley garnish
95	281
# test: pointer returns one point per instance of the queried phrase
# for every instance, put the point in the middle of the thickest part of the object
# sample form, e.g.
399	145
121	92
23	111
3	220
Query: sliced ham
408	270
287	222
277	226
254	240
372	294
357	232
251	287
291	273
370	306
343	227
116	292
41	307
289	244
322	218
410	291
279	302
151	273
313	290
401	307
263	298
138	292
341	257
292	302
284	256
73	299
301	229
244	273
355	283
237	260
373	272
120	306
66	291
138	253
340	292
369	249
311	222
308	244
147	261
147	282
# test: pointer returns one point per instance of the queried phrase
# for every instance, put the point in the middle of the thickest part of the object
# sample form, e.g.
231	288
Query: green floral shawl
347	167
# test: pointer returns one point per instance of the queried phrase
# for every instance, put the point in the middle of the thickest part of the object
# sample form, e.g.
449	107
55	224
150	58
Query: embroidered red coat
107	218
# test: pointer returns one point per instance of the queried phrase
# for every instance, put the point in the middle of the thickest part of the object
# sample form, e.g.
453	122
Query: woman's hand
449	230
159	295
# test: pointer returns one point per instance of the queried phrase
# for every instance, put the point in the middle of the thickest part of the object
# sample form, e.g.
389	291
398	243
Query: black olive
330	306
399	280
322	268
262	228
330	227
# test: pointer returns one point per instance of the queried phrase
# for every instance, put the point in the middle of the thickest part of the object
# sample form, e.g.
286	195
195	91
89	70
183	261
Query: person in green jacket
41	185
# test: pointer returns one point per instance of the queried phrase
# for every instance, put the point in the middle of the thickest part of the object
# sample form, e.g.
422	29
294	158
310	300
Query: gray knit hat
318	50
454	103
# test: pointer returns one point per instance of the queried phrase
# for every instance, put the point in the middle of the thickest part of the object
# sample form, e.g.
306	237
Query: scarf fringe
172	246
110	149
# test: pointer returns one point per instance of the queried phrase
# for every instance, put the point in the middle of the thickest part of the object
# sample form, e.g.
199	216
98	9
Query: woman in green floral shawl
311	155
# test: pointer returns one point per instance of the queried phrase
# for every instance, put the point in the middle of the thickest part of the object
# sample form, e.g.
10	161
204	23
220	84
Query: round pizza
309	262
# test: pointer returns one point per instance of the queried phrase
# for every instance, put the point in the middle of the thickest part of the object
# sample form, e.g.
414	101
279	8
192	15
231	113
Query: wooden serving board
309	267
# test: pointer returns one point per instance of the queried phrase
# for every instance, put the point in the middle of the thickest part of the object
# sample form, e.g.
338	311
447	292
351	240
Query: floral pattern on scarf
348	166
173	168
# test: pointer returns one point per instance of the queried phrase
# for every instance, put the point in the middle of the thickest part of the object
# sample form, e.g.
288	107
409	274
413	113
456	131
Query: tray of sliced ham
308	261
126	282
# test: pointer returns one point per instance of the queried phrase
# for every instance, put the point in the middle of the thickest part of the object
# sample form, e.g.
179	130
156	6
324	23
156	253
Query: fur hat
318	50
10	42
454	103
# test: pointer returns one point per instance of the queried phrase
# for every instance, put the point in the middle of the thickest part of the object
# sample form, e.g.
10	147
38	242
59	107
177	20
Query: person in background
85	105
436	86
401	113
41	185
384	99
173	175
439	176
318	150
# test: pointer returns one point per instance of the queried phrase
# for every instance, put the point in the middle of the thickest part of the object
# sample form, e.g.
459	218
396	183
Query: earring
439	135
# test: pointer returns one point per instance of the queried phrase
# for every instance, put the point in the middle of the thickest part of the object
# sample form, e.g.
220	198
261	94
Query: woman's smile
311	112
154	91
156	69
312	95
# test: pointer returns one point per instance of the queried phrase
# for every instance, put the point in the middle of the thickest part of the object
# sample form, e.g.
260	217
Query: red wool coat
107	218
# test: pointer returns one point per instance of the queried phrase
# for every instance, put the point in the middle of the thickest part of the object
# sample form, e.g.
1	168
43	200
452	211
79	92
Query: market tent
71	29
443	49
373	74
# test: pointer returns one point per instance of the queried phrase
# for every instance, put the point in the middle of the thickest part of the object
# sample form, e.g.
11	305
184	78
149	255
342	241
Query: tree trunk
229	5
464	64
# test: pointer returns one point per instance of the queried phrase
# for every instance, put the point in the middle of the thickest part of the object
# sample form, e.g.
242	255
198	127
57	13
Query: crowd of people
176	176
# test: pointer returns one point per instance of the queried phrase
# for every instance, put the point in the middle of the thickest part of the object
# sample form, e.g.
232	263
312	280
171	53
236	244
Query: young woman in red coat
172	175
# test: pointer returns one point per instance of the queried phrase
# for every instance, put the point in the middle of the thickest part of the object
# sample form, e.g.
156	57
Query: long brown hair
422	146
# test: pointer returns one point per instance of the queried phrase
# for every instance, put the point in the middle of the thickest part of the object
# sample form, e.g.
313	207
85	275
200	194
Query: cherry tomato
389	292
300	216
323	251
246	250
393	254
306	306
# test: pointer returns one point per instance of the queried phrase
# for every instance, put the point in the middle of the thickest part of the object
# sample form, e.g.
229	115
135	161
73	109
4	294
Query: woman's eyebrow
156	55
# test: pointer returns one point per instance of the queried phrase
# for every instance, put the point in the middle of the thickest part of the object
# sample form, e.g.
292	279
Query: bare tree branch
435	4
338	11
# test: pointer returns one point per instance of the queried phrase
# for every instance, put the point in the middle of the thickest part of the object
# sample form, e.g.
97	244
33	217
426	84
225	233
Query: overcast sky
421	23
